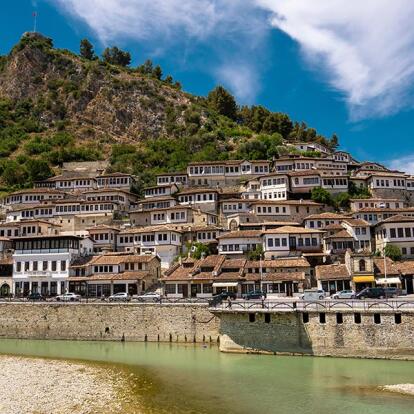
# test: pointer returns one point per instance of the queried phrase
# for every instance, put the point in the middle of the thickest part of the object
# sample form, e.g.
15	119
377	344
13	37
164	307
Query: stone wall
287	333
133	322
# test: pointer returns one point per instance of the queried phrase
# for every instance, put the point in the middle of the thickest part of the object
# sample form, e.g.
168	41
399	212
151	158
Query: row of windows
234	207
113	180
74	183
401	233
357	318
258	169
172	179
47	244
236	247
37	212
335	181
273	181
44	266
275	195
84	207
147	238
386	183
270	210
106	198
156	191
197	197
206	235
159	204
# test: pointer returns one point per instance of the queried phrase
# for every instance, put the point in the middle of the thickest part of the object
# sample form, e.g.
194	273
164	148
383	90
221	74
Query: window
377	318
267	317
339	318
397	318
357	318
35	266
322	318
305	317
26	266
54	264
392	233
63	265
252	317
18	266
362	265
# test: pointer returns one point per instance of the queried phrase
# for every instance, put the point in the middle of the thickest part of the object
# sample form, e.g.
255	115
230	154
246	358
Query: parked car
68	297
120	297
226	295
36	297
313	294
344	294
257	294
392	292
371	293
147	297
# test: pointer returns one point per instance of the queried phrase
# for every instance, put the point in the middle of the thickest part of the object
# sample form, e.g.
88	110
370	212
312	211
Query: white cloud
366	48
241	79
405	164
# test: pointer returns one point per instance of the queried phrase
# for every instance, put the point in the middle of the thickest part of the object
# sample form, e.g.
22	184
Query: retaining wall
131	322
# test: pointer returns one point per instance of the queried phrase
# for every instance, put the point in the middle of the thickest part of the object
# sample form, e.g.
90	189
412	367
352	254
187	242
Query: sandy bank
42	386
400	388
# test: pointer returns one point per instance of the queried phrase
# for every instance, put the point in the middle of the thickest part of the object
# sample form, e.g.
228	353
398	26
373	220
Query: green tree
157	72
256	254
116	56
199	250
86	49
342	200
146	68
38	169
168	79
393	252
14	174
320	195
223	102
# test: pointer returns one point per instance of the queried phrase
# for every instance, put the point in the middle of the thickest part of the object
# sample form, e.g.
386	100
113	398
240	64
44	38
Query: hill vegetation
57	106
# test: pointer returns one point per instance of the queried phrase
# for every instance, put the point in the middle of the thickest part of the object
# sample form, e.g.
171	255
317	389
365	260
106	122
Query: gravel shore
400	388
43	386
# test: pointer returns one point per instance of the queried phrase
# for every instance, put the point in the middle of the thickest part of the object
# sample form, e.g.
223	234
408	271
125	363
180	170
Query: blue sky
338	69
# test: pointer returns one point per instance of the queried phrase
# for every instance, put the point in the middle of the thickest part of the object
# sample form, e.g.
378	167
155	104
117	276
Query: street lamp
385	262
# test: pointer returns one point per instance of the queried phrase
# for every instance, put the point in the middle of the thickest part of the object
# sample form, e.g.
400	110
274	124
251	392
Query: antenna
34	21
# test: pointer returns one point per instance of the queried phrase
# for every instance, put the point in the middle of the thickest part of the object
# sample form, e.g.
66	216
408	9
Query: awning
225	284
388	280
364	279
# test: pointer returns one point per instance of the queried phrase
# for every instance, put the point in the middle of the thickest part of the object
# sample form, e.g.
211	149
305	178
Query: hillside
56	106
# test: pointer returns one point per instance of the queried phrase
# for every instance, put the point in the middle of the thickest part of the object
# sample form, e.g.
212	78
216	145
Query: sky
341	66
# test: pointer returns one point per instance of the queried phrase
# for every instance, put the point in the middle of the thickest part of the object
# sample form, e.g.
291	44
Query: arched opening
4	290
362	265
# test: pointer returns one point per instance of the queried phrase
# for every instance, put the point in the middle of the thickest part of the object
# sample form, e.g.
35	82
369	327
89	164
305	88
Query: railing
312	306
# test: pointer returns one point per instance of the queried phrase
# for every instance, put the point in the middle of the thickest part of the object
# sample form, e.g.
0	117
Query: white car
344	294
119	297
313	294
148	297
68	297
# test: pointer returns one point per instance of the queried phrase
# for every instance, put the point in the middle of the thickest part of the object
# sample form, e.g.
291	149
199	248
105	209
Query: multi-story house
41	263
274	187
238	243
206	199
214	274
165	241
123	198
160	191
321	220
177	215
303	182
291	241
181	179
104	238
33	195
115	180
222	173
357	204
396	230
287	210
111	273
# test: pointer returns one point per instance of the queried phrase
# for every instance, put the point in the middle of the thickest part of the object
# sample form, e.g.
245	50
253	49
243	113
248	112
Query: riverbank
43	386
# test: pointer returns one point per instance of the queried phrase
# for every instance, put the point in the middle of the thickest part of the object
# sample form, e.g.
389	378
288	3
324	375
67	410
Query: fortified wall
365	334
382	334
129	322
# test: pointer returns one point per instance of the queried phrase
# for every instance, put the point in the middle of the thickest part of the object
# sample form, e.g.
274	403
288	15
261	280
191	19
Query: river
170	378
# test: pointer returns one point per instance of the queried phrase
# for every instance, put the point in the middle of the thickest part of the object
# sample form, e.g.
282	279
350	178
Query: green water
173	378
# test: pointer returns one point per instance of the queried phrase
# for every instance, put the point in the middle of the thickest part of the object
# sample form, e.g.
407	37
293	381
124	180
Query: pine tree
86	49
223	102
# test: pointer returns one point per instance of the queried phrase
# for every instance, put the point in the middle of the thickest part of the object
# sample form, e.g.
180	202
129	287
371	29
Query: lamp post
385	262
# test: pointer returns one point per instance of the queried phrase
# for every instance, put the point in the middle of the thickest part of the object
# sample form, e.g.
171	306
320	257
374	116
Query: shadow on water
170	378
